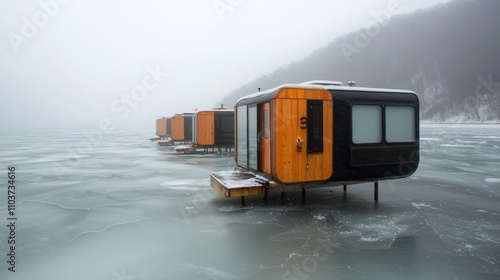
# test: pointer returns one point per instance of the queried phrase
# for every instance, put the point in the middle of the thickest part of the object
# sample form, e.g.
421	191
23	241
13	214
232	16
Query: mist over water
125	208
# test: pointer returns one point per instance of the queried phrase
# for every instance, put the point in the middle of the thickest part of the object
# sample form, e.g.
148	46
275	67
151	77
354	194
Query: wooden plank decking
238	184
186	149
165	142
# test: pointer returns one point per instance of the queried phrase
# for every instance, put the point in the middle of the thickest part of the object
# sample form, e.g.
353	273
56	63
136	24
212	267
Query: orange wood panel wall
161	127
288	164
205	128
178	128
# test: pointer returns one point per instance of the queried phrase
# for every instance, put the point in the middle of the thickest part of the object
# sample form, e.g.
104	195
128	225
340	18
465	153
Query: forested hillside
449	55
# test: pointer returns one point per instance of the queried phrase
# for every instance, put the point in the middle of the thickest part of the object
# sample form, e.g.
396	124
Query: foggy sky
129	62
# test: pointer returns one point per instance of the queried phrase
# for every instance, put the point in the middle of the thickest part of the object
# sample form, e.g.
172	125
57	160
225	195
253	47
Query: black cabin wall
188	128
169	127
403	158
224	128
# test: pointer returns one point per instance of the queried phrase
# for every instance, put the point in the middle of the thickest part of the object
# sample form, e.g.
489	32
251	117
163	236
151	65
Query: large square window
366	124
400	124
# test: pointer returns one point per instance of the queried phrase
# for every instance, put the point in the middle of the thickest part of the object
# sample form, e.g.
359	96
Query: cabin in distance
163	131
215	128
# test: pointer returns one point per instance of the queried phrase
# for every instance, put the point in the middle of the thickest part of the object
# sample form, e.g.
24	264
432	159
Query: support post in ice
265	194
242	201
282	197
376	191
345	188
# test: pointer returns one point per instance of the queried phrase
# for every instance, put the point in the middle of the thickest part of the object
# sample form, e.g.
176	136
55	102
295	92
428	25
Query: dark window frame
242	147
266	123
226	124
315	128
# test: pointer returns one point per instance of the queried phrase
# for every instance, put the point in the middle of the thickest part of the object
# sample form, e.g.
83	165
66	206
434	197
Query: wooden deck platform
242	183
165	142
238	184
186	149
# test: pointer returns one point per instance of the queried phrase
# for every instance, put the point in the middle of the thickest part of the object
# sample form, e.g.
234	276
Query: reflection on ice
486	137
209	272
421	205
186	185
458	146
492	180
430	139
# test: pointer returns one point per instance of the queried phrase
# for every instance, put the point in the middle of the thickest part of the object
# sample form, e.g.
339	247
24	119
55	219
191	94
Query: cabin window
252	138
366	124
242	136
266	124
226	124
314	126
188	128
400	124
169	127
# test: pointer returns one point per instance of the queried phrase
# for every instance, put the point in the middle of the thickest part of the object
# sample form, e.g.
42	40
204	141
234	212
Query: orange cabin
184	127
163	127
284	136
215	128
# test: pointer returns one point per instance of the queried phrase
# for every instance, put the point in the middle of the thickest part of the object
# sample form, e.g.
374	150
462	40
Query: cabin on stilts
184	128
164	131
206	129
184	131
319	134
163	127
215	129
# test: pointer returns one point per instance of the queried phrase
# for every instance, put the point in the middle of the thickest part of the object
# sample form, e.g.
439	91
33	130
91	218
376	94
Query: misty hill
449	55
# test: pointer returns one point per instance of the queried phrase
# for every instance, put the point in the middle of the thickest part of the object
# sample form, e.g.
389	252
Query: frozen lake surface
125	208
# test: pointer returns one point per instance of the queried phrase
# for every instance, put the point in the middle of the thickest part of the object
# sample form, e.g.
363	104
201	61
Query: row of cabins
301	136
203	129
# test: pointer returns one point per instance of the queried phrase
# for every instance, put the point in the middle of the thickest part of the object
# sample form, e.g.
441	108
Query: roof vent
322	83
351	83
221	108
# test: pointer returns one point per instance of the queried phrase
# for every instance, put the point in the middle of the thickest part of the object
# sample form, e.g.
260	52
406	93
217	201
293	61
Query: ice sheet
132	210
